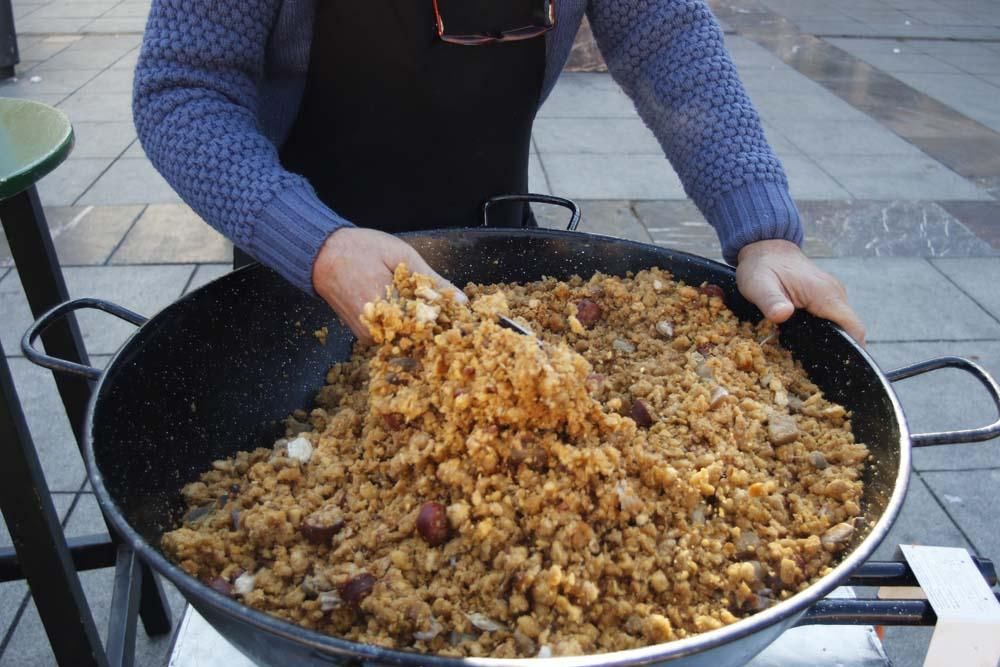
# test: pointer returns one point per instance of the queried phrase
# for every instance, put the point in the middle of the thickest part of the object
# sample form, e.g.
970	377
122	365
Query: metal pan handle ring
953	437
574	219
46	320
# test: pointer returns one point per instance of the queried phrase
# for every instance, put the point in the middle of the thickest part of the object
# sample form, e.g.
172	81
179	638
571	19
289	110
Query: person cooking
308	132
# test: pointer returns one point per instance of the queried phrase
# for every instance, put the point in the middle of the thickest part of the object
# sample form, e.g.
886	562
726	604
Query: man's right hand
355	265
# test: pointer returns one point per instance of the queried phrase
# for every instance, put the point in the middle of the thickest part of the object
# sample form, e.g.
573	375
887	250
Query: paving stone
889	229
975	63
128	9
143	289
612	177
81	58
120	43
921	521
608	218
60	81
27	93
50	430
679	225
130	181
947	50
945	400
977	277
845	138
169	234
906	647
11	596
979	217
31	25
22	11
117	24
72	10
748	55
98	107
821	106
128	61
898	177
82	234
807	180
587	95
135	151
102	140
764	82
779	143
595	135
110	81
943	18
970	498
537	182
905	299
64	185
963	92
206	273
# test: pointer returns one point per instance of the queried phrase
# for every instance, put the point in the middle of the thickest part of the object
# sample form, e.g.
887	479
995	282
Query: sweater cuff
754	212
290	232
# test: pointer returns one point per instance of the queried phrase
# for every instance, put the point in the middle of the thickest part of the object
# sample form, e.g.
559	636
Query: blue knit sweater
219	82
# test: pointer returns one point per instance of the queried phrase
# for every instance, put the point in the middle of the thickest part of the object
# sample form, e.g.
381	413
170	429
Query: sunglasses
513	35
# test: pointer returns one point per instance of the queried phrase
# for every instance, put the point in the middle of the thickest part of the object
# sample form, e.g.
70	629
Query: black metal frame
41	553
9	55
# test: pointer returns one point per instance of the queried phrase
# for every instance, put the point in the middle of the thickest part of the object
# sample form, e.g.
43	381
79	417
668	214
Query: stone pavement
884	113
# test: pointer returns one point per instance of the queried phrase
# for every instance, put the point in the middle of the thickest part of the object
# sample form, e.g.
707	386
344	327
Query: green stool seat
34	140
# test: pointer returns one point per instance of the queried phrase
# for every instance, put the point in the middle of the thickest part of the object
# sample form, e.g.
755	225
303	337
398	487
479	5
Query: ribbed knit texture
219	82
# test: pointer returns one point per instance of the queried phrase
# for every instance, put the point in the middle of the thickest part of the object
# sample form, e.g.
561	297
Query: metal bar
898	573
156	617
9	55
41	278
847	611
37	536
124	609
90	552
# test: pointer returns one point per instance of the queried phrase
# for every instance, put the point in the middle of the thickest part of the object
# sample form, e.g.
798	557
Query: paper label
968	625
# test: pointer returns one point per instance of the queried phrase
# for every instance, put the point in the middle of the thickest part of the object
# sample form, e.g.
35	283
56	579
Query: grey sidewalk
884	113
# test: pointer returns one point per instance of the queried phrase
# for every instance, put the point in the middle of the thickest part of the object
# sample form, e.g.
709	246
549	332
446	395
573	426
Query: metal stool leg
37	535
38	266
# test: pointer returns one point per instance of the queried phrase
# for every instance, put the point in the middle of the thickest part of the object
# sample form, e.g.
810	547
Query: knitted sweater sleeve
669	57
195	109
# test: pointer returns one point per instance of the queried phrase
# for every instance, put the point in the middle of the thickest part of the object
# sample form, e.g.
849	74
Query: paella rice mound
654	469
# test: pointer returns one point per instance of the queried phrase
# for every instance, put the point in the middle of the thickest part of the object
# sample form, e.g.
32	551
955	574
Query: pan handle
43	322
953	437
860	611
574	219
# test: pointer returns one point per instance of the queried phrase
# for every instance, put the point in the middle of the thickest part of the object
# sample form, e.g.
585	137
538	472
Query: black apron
401	131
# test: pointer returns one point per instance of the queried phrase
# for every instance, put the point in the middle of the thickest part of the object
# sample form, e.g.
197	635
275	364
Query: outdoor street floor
884	113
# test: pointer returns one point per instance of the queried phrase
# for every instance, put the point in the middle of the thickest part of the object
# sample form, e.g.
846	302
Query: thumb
765	290
418	265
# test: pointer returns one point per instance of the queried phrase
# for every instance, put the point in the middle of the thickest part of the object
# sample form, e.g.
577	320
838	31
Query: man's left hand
777	277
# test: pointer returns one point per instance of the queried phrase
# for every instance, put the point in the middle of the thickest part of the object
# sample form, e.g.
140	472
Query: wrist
767	247
329	257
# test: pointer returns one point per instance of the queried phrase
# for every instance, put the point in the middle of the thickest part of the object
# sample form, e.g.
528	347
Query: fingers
829	301
417	264
777	277
764	289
